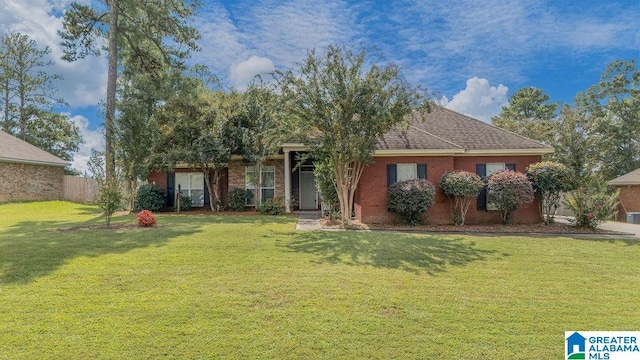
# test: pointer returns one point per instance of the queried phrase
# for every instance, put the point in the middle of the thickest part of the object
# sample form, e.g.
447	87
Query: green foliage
549	180
109	197
326	185
150	197
273	206
27	98
529	114
349	104
238	199
185	203
592	203
410	199
461	187
508	189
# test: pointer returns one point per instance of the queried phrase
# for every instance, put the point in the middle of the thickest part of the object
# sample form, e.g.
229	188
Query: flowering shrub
549	180
591	204
410	199
461	187
508	189
146	218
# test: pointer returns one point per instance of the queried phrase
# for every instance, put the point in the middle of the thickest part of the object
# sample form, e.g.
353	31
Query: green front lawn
250	287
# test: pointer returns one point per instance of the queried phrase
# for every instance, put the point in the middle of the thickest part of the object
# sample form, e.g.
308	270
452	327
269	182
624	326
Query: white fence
79	189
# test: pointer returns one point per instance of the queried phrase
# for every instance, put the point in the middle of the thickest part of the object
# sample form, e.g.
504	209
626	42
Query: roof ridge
493	126
436	136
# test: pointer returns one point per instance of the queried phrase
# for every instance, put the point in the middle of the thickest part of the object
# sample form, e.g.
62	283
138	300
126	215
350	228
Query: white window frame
495	167
409	172
187	188
251	186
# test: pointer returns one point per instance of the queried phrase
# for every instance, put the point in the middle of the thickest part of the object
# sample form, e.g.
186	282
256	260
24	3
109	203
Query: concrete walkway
621	227
308	221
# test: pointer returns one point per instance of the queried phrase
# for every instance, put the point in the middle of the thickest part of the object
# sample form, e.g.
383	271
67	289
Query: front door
308	192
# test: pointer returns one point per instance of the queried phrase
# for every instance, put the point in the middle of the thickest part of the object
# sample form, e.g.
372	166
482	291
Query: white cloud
93	139
479	99
84	81
243	73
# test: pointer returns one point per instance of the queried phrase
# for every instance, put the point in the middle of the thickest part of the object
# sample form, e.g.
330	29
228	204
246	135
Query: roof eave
34	162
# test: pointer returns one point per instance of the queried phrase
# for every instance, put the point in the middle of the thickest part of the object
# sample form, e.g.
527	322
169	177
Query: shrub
146	218
238	199
592	204
508	189
273	206
325	182
185	203
150	197
109	197
461	187
410	199
549	180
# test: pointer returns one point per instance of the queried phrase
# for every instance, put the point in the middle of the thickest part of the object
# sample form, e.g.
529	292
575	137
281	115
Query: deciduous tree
345	105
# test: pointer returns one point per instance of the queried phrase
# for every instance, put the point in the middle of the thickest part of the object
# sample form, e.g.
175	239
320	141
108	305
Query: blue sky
473	54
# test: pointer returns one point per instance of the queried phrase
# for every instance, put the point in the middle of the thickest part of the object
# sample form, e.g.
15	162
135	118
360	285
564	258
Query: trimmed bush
461	187
273	206
238	199
549	180
508	189
410	199
146	218
150	197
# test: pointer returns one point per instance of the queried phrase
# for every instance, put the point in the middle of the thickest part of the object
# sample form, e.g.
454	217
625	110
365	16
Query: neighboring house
28	172
445	141
629	185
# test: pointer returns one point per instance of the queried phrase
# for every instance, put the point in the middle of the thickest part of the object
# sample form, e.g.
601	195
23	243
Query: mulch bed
554	228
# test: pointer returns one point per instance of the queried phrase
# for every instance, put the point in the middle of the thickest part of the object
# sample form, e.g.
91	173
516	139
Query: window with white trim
407	172
267	183
493	168
191	185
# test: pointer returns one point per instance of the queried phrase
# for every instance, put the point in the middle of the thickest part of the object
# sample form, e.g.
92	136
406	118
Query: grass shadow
32	249
429	254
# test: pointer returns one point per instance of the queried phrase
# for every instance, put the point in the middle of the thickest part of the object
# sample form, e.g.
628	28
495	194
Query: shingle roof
15	150
446	129
632	178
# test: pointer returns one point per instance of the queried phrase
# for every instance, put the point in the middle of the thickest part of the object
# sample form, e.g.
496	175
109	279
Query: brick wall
371	196
30	182
237	174
629	201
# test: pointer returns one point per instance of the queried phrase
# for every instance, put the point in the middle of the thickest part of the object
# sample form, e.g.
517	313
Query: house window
484	171
191	185
405	171
267	183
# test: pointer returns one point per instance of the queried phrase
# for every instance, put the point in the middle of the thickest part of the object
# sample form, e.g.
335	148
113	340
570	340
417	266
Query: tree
550	179
345	109
109	197
151	34
529	114
613	109
573	144
199	128
461	187
261	131
28	98
508	189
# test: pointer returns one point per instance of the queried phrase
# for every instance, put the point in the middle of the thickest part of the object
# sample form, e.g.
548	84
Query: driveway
621	227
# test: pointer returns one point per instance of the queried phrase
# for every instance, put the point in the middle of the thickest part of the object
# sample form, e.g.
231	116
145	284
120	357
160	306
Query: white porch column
287	181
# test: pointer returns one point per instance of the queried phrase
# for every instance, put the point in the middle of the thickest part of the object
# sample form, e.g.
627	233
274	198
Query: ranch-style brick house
28	172
444	141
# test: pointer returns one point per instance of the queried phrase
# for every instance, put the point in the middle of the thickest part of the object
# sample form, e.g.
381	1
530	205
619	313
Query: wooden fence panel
79	189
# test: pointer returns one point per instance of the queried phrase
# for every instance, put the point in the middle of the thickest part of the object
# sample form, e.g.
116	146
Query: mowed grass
251	287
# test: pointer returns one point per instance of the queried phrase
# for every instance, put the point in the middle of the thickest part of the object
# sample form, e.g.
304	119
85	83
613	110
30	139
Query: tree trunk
110	162
207	181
